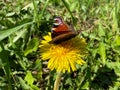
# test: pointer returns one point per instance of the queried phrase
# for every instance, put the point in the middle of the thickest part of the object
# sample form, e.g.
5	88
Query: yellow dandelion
64	56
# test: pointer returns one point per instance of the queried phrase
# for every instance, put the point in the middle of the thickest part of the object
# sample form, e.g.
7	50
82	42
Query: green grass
24	22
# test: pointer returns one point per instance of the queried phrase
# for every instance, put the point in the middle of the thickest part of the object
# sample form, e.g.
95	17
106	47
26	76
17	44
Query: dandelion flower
63	56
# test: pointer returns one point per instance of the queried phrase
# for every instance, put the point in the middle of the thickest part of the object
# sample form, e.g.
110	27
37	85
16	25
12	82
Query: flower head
64	56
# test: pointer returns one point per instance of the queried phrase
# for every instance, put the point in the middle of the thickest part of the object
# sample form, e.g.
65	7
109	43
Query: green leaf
102	52
38	64
115	66
29	78
117	41
35	87
6	33
32	46
86	85
23	84
68	81
101	31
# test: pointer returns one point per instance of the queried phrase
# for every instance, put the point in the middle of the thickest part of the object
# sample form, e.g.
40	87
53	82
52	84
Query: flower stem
57	81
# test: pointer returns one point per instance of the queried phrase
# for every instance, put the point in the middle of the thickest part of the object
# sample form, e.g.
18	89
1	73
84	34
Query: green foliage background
24	22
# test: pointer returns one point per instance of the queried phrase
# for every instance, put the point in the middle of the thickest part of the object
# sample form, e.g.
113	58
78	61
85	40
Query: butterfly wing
63	37
62	32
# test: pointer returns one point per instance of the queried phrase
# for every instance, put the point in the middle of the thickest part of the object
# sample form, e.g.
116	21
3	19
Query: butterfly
61	31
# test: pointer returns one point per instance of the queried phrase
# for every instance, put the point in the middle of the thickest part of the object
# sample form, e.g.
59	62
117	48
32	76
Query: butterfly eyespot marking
58	21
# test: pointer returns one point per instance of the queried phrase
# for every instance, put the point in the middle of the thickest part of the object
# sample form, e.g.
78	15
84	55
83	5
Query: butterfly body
61	31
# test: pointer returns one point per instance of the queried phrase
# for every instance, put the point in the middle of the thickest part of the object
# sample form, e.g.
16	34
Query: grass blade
6	33
67	6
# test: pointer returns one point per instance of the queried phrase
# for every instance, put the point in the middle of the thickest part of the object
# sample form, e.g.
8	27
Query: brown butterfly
62	31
